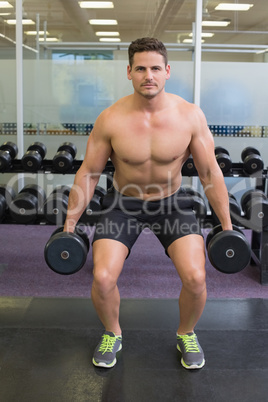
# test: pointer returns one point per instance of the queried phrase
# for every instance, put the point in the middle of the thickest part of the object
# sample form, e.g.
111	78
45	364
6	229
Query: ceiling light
103	22
49	40
233	7
100	33
110	40
4	14
215	23
190	41
96	4
205	34
35	33
5	4
24	22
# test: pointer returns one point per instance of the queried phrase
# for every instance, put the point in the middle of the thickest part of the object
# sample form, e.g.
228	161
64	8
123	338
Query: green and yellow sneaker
105	352
192	353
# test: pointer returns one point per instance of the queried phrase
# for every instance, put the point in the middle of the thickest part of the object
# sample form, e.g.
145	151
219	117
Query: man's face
148	73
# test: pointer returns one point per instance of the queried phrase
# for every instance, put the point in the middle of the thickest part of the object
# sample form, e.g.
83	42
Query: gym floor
46	345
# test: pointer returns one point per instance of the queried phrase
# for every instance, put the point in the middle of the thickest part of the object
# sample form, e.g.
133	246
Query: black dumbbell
92	211
188	168
7	194
252	160
27	204
56	205
223	159
199	205
66	253
235	211
63	160
33	157
8	152
228	250
254	203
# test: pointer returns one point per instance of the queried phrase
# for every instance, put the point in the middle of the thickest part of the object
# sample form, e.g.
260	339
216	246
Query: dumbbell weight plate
252	160
11	148
37	191
31	161
248	151
188	168
39	147
253	163
68	147
224	161
3	206
5	160
228	251
235	211
250	195
63	161
100	191
7	192
55	208
65	253
199	207
92	211
24	208
256	212
221	150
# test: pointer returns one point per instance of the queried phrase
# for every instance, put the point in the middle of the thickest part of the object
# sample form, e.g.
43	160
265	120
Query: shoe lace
190	343
107	344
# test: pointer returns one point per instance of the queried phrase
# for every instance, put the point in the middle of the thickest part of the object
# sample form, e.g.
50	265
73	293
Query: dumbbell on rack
254	203
199	205
223	159
228	251
8	152
7	194
64	158
252	160
33	158
235	211
27	204
92	211
188	168
55	206
66	253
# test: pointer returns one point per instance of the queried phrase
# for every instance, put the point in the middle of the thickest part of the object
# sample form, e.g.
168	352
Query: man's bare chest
139	142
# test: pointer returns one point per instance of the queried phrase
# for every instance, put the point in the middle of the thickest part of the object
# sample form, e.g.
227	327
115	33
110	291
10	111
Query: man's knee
103	279
195	281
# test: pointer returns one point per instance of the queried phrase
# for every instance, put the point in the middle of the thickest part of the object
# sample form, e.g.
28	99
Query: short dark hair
146	45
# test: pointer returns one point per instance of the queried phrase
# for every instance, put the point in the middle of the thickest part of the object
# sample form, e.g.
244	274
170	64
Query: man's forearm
80	195
217	195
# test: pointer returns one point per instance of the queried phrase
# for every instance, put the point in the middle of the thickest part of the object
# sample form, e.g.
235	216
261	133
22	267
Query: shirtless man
148	136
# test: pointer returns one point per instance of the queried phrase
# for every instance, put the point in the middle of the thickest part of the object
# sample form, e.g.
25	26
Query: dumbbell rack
259	241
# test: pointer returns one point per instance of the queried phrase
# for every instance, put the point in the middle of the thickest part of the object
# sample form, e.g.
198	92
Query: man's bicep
202	150
97	154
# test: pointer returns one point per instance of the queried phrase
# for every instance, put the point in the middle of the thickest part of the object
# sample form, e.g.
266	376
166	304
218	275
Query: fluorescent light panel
233	7
103	22
5	4
191	41
106	33
110	40
96	4
215	23
204	34
24	22
35	33
49	40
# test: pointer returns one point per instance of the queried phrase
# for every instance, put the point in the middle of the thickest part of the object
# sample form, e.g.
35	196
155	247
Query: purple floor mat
148	272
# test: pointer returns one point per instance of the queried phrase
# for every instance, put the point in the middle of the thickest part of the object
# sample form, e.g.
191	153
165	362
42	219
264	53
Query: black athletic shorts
123	218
